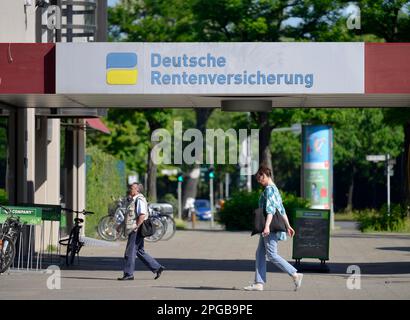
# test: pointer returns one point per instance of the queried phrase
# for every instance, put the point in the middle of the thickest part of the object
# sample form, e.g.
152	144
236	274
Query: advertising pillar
317	166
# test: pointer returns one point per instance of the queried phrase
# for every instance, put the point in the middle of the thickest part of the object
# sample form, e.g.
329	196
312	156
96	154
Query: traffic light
180	177
211	173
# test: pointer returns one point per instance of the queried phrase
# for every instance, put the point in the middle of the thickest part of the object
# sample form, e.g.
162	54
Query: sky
291	21
112	2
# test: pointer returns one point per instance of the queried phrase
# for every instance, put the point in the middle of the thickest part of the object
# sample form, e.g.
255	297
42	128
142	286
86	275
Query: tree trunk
152	167
152	177
265	157
191	186
349	206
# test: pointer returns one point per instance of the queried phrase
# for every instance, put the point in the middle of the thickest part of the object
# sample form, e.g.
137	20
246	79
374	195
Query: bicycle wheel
107	228
72	248
159	230
122	236
170	227
7	253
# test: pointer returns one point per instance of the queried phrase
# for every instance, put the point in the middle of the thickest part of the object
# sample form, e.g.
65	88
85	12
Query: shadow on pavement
91	278
199	288
395	248
370	236
175	264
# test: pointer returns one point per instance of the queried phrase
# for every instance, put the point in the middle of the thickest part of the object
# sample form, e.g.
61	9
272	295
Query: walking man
135	244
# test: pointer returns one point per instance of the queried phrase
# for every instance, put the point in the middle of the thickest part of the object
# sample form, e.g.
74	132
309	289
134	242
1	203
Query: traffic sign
376	158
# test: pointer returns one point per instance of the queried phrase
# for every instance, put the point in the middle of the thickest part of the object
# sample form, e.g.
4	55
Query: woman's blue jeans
268	247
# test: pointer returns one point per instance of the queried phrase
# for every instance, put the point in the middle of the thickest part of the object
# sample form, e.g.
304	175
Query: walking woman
271	201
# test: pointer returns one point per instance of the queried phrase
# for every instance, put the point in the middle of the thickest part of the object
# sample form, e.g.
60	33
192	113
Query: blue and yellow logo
122	68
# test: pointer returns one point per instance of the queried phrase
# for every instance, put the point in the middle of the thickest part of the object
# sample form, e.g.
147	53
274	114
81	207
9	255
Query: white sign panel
376	158
210	68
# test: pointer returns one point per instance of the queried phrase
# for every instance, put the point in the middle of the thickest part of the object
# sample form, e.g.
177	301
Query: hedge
105	178
237	213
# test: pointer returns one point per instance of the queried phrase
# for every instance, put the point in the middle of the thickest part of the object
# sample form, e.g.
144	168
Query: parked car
203	209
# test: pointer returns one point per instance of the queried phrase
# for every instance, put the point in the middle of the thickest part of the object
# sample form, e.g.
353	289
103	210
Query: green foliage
128	140
286	159
389	20
51	249
357	132
150	21
372	220
346	216
237	213
103	181
170	198
180	224
229	21
4	199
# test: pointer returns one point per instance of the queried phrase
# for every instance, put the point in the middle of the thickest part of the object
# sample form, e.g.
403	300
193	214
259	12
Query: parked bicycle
9	233
164	212
112	226
73	242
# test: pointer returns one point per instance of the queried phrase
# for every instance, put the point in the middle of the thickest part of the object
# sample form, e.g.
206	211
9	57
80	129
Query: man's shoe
126	278
298	281
254	287
159	272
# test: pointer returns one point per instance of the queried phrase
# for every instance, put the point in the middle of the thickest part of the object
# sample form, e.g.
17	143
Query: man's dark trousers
135	247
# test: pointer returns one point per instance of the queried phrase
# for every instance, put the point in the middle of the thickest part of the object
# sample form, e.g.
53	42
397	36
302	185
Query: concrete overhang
198	101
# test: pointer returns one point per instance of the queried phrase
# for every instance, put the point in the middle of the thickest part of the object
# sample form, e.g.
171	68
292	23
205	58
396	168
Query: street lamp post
180	180
388	163
211	175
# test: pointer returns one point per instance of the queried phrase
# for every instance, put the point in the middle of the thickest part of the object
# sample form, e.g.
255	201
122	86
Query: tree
245	21
357	133
401	116
128	140
191	186
156	118
390	21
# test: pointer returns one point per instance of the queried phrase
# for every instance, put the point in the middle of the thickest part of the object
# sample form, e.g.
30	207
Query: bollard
193	219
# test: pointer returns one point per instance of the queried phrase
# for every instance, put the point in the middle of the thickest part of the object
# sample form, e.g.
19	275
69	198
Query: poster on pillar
317	167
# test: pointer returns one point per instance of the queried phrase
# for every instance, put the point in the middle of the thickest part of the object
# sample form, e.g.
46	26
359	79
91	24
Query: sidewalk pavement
206	264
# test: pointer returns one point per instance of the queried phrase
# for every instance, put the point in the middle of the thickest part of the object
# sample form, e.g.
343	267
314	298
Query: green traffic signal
180	178
211	174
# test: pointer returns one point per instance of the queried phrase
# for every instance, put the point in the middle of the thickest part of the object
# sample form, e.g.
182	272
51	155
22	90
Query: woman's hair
264	171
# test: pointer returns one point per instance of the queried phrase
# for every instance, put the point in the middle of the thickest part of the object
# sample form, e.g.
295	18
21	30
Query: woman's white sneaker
298	281
254	287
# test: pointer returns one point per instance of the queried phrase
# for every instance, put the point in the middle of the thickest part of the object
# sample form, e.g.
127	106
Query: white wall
17	21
